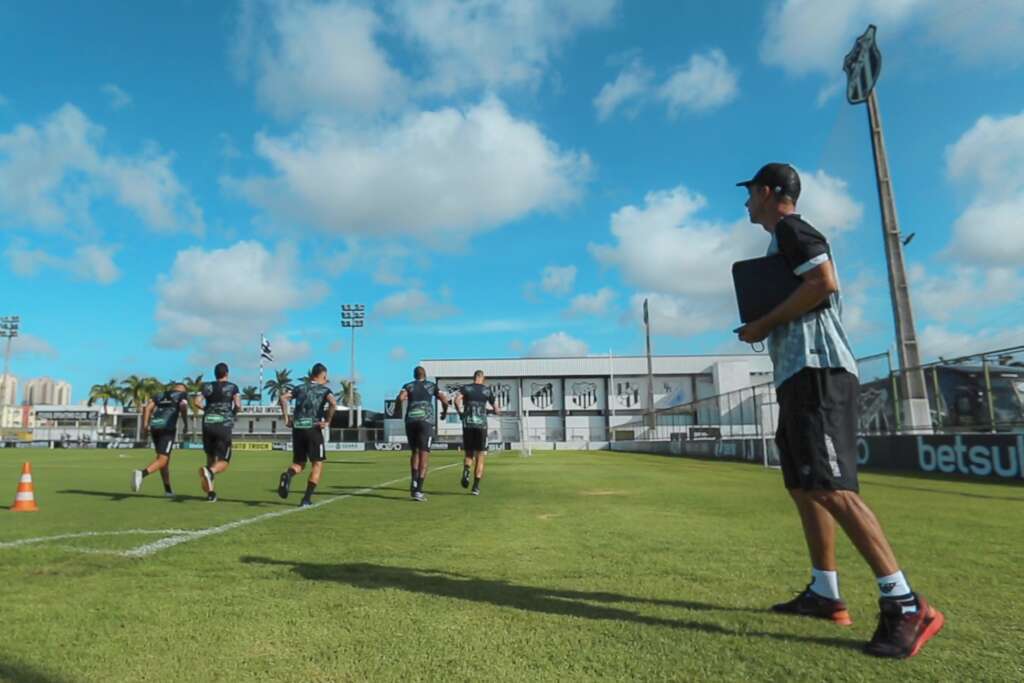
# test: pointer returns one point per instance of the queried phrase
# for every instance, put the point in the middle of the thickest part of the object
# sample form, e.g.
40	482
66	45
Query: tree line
134	391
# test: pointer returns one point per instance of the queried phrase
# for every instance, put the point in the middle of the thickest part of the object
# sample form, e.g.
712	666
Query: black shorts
217	442
308	445
817	434
163	441
474	439
419	435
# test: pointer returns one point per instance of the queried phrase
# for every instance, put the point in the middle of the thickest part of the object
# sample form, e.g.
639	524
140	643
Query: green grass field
570	566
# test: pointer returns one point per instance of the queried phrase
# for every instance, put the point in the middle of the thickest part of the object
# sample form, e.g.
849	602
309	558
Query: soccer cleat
901	635
419	497
306	502
810	604
465	479
206	479
284	484
169	494
136	480
211	497
475	491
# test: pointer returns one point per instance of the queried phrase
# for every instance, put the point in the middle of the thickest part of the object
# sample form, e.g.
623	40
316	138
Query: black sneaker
475	491
465	479
810	604
211	497
901	635
306	502
284	484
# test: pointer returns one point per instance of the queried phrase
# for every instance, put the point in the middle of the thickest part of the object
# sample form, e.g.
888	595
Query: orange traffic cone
25	499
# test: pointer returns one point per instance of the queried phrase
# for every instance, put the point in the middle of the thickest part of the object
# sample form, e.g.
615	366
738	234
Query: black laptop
764	283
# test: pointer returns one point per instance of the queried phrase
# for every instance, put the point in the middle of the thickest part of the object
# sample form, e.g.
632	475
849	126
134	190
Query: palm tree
250	394
136	392
357	400
193	385
104	392
281	383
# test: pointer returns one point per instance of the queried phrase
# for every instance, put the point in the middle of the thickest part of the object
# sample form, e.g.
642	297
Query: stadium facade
583	399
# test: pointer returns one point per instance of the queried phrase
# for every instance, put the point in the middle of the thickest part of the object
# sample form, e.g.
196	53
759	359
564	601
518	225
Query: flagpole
260	387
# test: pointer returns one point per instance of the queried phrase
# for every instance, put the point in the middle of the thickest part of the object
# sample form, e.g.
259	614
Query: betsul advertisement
972	455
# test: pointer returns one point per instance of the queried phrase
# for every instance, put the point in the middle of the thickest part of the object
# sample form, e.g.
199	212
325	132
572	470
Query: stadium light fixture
352	316
9	325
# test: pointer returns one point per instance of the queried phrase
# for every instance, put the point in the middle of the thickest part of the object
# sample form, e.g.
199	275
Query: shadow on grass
529	598
405	490
944	492
23	673
178	498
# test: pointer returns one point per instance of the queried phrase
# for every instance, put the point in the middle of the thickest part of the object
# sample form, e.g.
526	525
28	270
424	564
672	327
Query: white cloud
493	44
398	353
218	301
810	36
316	57
705	82
632	83
858	295
826	203
680	316
52	174
89	262
119	99
957	293
939	340
597	304
989	160
556	345
25	345
558	279
436	175
414	304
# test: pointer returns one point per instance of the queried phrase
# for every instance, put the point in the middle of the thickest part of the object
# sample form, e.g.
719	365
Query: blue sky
492	179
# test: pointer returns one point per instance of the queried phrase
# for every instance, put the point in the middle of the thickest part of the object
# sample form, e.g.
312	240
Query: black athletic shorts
308	445
217	442
163	441
474	439
419	435
817	434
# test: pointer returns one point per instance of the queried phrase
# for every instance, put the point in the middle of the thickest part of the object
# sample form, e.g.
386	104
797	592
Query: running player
160	419
220	402
419	425
471	403
314	408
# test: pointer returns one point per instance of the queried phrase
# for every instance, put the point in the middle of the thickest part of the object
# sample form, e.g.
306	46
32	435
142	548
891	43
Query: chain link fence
982	392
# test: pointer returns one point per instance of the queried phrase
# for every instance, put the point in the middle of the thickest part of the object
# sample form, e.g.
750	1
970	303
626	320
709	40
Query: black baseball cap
781	178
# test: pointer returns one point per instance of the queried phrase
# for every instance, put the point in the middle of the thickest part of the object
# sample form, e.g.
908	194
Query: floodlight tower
863	65
352	316
8	328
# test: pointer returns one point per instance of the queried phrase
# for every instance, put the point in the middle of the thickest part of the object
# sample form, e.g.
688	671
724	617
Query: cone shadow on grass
567	603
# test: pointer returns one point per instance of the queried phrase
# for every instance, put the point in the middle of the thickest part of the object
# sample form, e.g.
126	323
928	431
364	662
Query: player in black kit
471	402
419	425
314	408
220	402
160	419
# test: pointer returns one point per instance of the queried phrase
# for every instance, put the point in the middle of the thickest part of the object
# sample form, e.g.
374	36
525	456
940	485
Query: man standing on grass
220	401
815	375
419	425
314	409
160	419
471	402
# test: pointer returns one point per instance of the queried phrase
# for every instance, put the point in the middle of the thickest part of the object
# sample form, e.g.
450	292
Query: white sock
825	583
894	586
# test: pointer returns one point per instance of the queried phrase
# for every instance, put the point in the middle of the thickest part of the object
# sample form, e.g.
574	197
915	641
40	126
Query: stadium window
273	426
250	426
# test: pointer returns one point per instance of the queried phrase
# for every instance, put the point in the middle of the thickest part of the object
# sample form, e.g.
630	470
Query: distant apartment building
45	391
8	390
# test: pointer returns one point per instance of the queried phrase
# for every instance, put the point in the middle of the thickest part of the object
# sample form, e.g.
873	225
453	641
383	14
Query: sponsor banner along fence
998	456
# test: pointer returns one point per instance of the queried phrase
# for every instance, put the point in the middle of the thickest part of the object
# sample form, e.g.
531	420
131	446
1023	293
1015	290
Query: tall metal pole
9	329
914	393
650	370
863	65
352	374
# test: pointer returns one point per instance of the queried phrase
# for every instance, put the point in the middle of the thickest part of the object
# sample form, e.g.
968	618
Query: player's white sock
825	583
893	586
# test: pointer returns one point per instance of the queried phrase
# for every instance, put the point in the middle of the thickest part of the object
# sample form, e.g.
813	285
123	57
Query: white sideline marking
178	536
89	534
